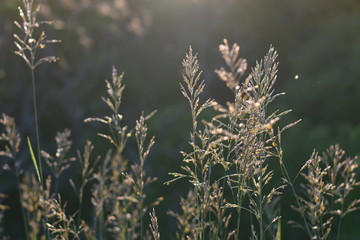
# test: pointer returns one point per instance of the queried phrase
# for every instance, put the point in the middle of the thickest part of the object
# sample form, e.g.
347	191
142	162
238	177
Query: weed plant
230	166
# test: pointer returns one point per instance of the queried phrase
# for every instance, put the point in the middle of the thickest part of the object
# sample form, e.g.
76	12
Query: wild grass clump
118	186
329	180
230	166
238	141
119	192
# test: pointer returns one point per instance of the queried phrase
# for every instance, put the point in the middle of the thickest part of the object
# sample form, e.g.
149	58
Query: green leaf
34	159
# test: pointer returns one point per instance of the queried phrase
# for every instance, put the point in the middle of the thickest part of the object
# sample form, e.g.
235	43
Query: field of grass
235	168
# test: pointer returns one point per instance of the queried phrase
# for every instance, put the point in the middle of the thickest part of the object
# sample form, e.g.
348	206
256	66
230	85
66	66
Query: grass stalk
56	190
238	218
141	200
101	226
36	125
80	207
42	190
41	180
261	220
339	228
288	179
220	229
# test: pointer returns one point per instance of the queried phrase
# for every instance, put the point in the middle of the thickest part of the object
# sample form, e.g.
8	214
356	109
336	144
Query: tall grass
238	141
28	44
230	165
27	47
329	179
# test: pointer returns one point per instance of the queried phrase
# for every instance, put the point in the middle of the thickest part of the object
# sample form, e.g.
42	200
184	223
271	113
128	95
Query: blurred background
319	53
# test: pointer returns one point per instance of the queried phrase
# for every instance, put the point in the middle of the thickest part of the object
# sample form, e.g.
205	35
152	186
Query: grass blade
278	232
34	159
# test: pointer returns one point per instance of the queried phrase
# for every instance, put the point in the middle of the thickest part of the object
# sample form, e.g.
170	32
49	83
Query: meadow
233	178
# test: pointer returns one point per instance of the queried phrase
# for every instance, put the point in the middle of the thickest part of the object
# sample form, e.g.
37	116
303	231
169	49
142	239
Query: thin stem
287	177
141	199
193	142
80	205
101	226
56	190
240	199
262	237
340	220
239	203
38	145
339	229
101	215
209	211
238	222
36	124
219	223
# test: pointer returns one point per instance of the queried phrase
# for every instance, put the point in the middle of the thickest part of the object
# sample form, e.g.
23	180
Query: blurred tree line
319	53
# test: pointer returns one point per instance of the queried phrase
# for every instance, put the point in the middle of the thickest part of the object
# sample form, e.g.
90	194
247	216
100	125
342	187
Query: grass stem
261	220
36	124
38	148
